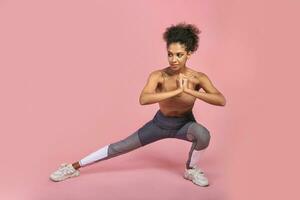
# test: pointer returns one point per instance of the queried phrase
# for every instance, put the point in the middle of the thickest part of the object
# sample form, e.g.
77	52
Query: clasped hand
183	81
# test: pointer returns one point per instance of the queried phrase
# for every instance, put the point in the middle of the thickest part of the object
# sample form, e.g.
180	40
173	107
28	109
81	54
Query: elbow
142	100
142	103
223	102
145	100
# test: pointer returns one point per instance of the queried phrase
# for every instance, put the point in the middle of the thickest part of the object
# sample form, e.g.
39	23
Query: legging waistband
172	122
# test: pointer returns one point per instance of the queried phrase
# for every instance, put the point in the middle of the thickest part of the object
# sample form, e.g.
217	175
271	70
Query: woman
175	88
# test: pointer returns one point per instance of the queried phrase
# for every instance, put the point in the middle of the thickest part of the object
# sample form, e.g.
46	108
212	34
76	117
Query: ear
189	54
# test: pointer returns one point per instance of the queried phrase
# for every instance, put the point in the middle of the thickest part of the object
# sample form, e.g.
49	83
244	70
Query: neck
182	70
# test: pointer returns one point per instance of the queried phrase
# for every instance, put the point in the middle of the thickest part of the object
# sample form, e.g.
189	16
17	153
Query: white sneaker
196	175
64	171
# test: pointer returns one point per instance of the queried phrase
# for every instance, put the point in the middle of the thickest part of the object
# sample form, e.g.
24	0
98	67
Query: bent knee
206	138
201	135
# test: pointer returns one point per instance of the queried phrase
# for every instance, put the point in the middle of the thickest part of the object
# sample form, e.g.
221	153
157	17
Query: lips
174	67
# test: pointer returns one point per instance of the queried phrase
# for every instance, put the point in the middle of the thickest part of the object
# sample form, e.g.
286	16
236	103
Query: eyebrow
177	52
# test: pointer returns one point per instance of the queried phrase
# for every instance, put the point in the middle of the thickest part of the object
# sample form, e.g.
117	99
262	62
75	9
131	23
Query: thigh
147	134
129	143
190	130
182	132
150	132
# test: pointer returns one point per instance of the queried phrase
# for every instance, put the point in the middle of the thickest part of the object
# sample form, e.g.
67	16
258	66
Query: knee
206	138
202	136
124	146
112	149
116	148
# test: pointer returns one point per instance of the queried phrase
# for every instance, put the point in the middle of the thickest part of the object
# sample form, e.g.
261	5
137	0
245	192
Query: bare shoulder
203	77
162	72
156	72
207	84
156	75
194	73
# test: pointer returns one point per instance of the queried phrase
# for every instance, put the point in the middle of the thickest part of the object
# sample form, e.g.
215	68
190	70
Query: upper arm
152	82
207	85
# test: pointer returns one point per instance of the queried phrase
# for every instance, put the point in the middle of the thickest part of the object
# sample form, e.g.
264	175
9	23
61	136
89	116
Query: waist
172	122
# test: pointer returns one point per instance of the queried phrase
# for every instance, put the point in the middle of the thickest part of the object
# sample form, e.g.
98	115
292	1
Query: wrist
187	90
180	90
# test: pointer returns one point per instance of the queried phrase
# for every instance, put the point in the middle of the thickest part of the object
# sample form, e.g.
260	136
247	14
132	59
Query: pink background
70	79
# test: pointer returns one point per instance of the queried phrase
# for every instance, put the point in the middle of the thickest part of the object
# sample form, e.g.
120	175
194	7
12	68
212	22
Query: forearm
157	97
214	99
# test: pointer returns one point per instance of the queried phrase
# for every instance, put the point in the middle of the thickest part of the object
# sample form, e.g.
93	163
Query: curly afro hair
183	33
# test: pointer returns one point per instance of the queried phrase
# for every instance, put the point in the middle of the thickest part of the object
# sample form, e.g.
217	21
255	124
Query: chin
175	67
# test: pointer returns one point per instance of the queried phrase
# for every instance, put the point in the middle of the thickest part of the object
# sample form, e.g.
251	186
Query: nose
174	59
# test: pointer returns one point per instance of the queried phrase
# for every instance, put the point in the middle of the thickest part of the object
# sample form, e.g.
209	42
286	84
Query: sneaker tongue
198	169
63	165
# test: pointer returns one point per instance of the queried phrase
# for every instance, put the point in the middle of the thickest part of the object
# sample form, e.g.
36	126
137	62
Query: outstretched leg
147	134
123	146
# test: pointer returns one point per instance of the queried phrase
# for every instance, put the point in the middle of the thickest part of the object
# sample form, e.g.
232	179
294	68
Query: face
177	56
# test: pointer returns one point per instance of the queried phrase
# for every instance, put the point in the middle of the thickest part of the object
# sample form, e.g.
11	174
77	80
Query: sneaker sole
66	177
187	178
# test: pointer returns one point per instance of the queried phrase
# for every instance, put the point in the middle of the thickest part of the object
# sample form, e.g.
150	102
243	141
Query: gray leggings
161	127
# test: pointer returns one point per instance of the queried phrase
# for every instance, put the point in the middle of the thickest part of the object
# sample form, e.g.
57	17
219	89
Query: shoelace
62	165
66	170
199	175
197	169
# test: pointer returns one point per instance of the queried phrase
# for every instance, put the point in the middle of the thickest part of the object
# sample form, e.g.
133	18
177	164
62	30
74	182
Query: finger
181	78
187	77
192	79
183	75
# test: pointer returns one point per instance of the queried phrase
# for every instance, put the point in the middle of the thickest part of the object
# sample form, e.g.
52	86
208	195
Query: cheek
183	60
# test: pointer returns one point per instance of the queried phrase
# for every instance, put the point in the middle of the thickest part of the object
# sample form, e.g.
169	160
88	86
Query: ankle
76	165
